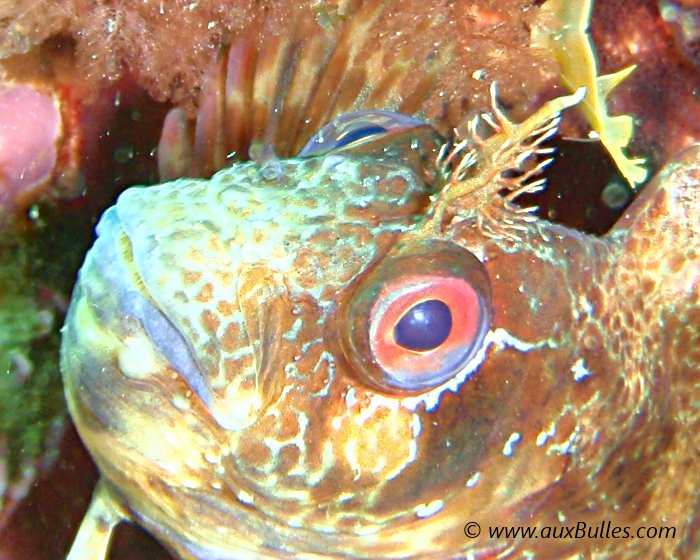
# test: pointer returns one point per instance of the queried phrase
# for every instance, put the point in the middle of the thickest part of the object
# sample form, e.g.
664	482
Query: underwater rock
168	44
662	92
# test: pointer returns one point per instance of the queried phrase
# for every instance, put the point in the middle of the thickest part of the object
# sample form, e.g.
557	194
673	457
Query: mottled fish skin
206	369
248	267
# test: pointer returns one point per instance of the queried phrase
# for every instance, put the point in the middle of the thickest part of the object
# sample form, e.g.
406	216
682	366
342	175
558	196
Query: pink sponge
30	127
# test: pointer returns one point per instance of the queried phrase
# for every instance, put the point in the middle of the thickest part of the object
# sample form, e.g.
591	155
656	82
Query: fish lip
111	254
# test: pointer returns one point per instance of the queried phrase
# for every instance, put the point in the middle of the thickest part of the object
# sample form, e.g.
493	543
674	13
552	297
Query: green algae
32	407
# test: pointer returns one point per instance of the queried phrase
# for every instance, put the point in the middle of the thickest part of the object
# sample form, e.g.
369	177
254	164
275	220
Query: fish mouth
129	258
113	258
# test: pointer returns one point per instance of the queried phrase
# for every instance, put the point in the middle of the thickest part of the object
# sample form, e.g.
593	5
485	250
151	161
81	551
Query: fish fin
104	514
175	150
279	89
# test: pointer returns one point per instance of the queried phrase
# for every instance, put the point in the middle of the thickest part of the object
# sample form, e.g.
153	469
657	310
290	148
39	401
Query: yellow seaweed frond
566	36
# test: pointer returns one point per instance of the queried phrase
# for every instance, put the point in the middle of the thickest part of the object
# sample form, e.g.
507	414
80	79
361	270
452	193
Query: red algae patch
168	45
30	127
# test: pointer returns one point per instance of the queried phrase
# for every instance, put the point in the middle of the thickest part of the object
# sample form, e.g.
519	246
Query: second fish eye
358	128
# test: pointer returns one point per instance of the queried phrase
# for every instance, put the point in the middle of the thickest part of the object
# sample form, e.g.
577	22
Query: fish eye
418	318
358	128
357	134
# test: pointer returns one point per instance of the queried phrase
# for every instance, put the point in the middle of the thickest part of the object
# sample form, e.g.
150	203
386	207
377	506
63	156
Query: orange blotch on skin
394	187
210	321
253	452
231	339
191	277
231	367
308	266
288	457
206	294
226	308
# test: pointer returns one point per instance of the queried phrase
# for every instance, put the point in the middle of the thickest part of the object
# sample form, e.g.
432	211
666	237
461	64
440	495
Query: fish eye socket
418	318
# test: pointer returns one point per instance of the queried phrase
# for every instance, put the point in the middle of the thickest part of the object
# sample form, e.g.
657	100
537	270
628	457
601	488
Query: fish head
321	343
220	354
344	354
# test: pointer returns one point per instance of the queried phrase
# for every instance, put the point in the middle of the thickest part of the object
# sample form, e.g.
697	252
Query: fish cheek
476	422
490	431
510	419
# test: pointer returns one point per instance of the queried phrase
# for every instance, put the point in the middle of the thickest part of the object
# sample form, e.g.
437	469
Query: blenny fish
363	350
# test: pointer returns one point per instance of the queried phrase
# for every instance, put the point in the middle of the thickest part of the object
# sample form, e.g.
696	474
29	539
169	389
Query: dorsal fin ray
277	90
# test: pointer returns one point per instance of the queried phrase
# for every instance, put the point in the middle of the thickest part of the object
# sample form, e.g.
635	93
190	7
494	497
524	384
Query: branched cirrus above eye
418	317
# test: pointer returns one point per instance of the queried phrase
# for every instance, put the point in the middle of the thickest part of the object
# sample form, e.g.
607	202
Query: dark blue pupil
358	134
425	326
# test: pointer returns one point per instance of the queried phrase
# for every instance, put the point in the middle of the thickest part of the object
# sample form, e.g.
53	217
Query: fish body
232	359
